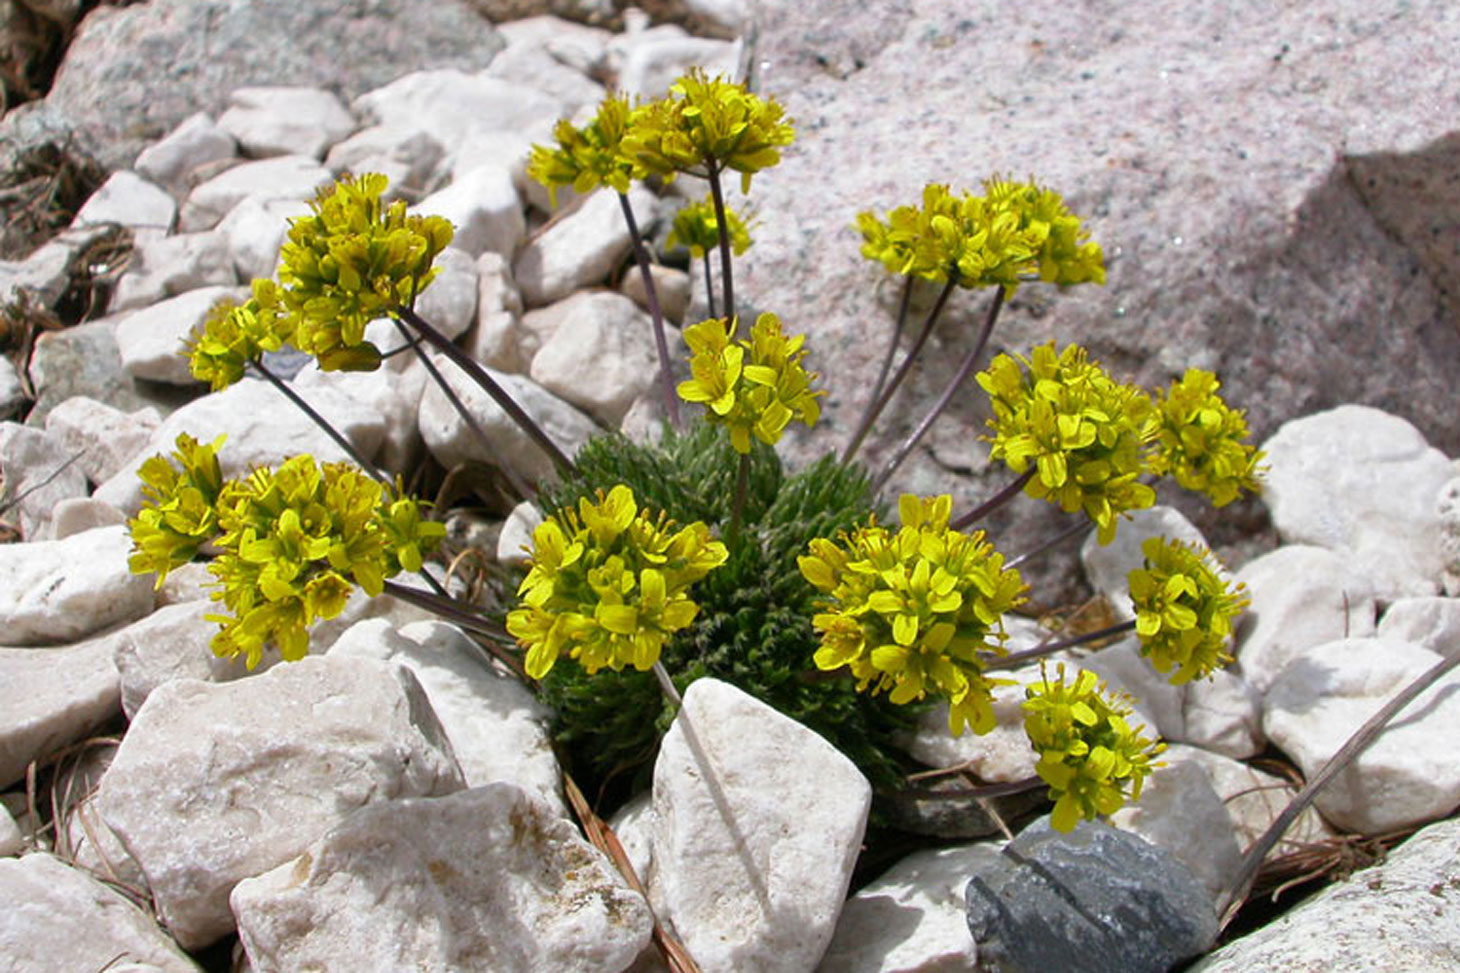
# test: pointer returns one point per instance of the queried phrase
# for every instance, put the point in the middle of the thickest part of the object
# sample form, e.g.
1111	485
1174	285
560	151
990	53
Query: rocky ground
1271	193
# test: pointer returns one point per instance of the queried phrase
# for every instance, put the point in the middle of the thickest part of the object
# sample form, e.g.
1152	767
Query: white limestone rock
452	443
449	105
106	437
1411	773
633	825
1107	566
1223	714
493	339
54	917
151	340
651	65
1361	483
53	696
262	429
126	199
1301	596
171	643
406	159
515	540
758	824
60	591
535	66
1432	623
601	355
40	471
485	879
12	391
196	144
582	248
163	267
721	17
911	918
1159	704
282	177
450	301
512	151
12	842
483	205
217	783
393	397
672	287
256	229
284	120
1447	505
570	42
1177	804
498	731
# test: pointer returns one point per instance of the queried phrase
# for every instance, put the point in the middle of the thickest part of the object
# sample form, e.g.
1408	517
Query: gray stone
482	204
126	199
450	105
41	470
53	697
84	360
164	267
255	230
1177	804
406	157
105	437
174	160
601	356
59	591
581	248
1095	899
80	514
281	177
285	119
152	341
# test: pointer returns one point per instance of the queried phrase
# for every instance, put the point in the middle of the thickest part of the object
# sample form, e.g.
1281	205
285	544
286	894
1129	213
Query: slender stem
651	297
520	486
903	304
880	403
964	370
1007	493
742	487
1000	789
1079	527
667	684
1354	746
726	282
709	286
319	420
478	374
1016	659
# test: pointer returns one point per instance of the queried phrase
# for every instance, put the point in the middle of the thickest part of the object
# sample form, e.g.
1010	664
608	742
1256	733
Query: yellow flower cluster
1013	233
178	515
609	585
236	334
911	612
587	157
1184	610
1089	755
1084	433
696	228
354	260
753	387
1200	440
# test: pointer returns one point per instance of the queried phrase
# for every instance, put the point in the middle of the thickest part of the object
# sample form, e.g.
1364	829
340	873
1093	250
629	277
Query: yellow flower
235	335
588	157
1201	441
1184	610
696	228
177	516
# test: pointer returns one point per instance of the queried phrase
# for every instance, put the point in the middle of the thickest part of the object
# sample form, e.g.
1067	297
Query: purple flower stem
651	297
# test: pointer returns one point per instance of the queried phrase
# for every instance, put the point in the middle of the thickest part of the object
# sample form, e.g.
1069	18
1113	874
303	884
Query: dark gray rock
1096	899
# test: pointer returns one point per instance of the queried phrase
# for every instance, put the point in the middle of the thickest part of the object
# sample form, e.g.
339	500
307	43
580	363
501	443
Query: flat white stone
152	340
105	436
484	207
581	248
1362	483
285	120
1223	714
493	340
217	783
485	879
450	301
515	540
127	199
601	356
1177	803
672	288
393	397
498	730
758	822
194	145
60	591
54	917
408	158
1433	623
911	918
512	151
1411	773
163	267
450	105
262	427
650	66
535	66
53	696
1108	567
40	472
1301	597
255	230
171	643
283	177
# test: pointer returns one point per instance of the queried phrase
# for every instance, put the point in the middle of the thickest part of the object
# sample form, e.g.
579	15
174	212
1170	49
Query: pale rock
194	145
105	436
53	697
59	591
651	65
12	842
80	514
449	302
1448	507
515	541
12	390
639	29
171	643
217	783
293	177
910	919
407	160
1432	623
1108	566
576	44
55	917
449	105
537	67
758	824
392	397
485	879
633	825
163	267
1159	704
40	471
1411	773
126	199
262	429
644	423
671	286
1301	597
724	18
1361	483
452	443
256	229
1178	803
390	336
44	275
482	204
498	731
1395	916
285	120
187	582
600	357
581	248
494	338
97	849
152	340
511	151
